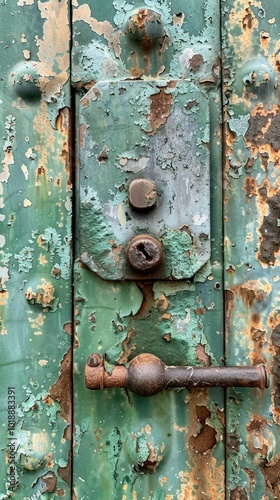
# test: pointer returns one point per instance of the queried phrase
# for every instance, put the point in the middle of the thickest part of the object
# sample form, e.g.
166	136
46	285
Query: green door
164	124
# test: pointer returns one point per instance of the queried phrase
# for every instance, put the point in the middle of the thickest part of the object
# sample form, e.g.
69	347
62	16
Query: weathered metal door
167	254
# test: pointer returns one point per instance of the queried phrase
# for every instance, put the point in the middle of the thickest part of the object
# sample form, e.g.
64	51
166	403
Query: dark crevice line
73	179
223	104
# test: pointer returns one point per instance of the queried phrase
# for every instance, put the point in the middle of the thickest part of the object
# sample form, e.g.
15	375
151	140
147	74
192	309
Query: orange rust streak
160	110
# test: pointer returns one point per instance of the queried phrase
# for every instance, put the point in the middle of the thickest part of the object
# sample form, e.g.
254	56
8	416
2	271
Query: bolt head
142	194
144	253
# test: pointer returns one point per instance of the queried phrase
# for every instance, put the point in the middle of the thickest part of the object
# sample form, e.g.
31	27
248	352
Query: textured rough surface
251	97
35	268
153	70
139	145
148	105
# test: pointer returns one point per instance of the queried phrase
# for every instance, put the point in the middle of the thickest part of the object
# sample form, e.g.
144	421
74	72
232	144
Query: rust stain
250	187
259	439
160	109
274	324
252	478
127	348
83	129
202	355
148	300
64	125
43	295
263	133
4	295
258	335
243	16
252	291
271	472
247	21
205	476
269	229
238	493
67	328
66	472
206	439
50	481
62	389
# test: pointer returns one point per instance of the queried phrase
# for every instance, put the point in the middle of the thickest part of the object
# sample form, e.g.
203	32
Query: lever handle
147	375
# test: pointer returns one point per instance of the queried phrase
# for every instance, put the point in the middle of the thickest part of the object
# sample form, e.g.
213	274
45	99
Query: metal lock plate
157	130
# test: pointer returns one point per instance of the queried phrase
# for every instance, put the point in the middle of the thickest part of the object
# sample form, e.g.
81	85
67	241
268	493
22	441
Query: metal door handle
147	375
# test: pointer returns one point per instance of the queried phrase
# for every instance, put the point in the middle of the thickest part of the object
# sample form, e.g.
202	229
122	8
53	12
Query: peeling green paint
251	276
144	102
136	96
35	206
142	143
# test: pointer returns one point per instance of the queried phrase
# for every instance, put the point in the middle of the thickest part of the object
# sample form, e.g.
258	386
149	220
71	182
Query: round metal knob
146	375
144	253
142	194
144	24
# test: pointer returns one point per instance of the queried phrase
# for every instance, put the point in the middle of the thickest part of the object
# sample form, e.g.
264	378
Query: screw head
142	194
144	253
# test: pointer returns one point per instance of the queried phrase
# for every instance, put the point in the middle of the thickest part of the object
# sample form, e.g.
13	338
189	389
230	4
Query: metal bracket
156	131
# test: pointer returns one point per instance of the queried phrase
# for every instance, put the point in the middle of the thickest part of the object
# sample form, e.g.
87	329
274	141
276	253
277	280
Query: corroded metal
148	110
251	100
155	128
147	375
144	253
35	253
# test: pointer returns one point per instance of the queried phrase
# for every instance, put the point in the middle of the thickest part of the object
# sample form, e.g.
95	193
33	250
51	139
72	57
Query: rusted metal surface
148	106
251	100
177	162
146	76
35	268
147	375
144	253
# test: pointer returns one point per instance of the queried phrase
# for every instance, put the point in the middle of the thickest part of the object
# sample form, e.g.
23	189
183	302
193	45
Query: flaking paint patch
61	391
56	27
83	13
161	103
242	15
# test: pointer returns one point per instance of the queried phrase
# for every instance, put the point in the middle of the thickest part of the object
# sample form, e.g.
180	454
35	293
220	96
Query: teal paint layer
252	245
35	270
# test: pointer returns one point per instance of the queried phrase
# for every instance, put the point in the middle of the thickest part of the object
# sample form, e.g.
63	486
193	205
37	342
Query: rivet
142	194
25	80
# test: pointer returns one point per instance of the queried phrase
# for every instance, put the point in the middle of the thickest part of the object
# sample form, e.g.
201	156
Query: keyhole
142	249
144	253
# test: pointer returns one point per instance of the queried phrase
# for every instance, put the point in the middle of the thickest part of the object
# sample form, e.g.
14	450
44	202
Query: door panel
35	338
252	246
150	82
170	445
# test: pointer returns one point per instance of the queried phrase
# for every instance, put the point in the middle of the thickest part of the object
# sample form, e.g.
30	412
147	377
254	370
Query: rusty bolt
142	194
144	253
94	360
